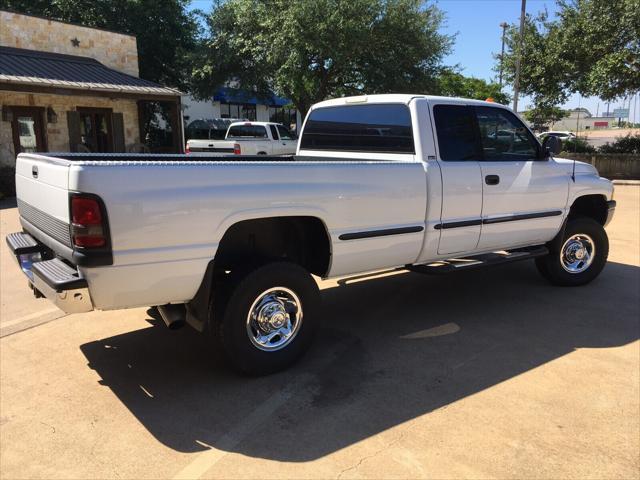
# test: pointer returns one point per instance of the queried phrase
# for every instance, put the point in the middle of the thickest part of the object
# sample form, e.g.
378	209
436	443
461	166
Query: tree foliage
312	50
627	144
165	31
454	84
542	114
593	48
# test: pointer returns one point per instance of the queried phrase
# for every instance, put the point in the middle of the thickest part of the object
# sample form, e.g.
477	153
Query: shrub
627	144
577	145
7	182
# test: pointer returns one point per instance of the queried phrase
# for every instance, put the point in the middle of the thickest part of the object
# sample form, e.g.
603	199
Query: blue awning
234	95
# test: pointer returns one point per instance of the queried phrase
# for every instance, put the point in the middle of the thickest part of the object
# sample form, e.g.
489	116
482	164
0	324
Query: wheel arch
593	206
301	239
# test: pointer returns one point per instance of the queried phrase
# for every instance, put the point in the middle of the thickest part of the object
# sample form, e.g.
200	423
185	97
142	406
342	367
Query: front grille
53	227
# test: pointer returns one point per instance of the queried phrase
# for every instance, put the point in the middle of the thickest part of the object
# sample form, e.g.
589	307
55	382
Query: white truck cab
229	244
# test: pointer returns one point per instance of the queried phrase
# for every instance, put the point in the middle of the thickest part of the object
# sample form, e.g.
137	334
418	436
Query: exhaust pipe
174	315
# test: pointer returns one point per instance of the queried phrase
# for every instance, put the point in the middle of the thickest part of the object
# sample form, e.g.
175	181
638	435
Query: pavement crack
375	454
53	429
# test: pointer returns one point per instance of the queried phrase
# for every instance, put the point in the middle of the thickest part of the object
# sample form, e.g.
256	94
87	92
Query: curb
626	182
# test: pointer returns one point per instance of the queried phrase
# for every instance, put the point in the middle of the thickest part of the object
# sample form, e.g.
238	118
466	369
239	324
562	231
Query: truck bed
167	214
151	157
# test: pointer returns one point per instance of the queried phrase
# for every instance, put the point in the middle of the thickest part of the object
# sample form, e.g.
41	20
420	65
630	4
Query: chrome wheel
274	319
577	253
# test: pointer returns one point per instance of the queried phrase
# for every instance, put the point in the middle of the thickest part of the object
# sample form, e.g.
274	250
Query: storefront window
243	111
285	116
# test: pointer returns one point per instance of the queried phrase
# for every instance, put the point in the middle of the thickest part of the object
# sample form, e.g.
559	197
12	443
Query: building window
285	116
95	129
244	111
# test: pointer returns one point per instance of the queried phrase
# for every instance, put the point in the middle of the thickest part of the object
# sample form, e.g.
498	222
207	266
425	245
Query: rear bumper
55	279
611	208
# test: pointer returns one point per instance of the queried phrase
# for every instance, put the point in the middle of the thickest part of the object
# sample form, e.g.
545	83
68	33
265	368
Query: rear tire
268	319
581	256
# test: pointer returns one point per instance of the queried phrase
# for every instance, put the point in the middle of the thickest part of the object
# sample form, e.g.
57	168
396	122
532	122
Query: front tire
581	257
268	319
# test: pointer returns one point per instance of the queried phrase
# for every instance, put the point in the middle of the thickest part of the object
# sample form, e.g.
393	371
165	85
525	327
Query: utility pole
516	87
578	119
504	26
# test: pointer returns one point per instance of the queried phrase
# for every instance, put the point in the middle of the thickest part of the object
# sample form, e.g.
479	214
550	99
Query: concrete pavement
481	374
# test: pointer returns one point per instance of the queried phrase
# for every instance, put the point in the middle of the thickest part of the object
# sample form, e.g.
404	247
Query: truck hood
582	168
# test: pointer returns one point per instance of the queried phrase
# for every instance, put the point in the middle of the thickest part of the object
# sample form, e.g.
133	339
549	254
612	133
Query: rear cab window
373	128
247	131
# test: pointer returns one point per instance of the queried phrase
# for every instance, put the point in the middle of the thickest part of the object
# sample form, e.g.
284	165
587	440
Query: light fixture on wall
52	116
7	114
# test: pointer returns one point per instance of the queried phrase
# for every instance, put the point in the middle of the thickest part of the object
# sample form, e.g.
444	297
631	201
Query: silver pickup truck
230	244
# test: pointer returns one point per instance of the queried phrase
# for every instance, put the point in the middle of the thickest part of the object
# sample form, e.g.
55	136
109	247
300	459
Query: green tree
312	50
166	32
593	47
542	114
454	84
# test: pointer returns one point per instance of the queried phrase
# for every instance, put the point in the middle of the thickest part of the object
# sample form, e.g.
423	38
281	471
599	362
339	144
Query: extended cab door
524	194
458	155
288	142
276	148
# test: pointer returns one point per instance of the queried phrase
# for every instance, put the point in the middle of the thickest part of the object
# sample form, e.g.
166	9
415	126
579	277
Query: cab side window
456	132
284	133
504	137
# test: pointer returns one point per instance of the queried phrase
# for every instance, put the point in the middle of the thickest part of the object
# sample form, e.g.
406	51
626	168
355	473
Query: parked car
249	138
566	135
209	129
229	246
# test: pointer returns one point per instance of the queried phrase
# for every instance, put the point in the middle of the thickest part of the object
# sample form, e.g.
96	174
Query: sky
476	24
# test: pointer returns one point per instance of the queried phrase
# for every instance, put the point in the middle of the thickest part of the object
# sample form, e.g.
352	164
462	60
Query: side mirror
551	145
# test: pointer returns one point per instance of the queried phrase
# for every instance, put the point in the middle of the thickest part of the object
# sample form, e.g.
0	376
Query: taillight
87	223
187	149
236	149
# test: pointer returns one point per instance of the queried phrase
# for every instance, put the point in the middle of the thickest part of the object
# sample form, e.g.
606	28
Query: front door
27	128
458	155
524	195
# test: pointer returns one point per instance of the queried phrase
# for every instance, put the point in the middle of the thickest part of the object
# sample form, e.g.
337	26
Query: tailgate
217	146
42	190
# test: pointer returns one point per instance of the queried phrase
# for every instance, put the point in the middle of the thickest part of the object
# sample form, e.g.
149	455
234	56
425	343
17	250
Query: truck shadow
390	349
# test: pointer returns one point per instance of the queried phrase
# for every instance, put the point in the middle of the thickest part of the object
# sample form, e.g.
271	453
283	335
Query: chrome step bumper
60	282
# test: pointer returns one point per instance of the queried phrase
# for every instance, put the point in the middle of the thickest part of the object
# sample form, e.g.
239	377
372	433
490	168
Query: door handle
492	179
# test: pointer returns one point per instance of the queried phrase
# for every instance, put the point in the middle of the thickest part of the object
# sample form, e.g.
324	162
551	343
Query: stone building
66	87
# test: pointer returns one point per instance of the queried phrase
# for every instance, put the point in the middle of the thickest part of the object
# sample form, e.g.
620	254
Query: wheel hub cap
577	253
274	319
271	316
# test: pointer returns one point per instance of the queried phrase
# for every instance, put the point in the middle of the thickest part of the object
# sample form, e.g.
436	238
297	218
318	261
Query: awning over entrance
30	68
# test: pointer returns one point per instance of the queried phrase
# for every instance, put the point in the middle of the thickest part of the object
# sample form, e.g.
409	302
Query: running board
480	261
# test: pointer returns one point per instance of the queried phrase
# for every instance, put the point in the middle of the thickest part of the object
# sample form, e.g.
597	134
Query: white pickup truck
248	138
229	245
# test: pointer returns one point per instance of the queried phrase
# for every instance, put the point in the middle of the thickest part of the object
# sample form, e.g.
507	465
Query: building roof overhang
34	69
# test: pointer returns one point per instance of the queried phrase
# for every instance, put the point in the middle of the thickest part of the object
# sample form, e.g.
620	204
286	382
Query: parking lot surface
480	374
